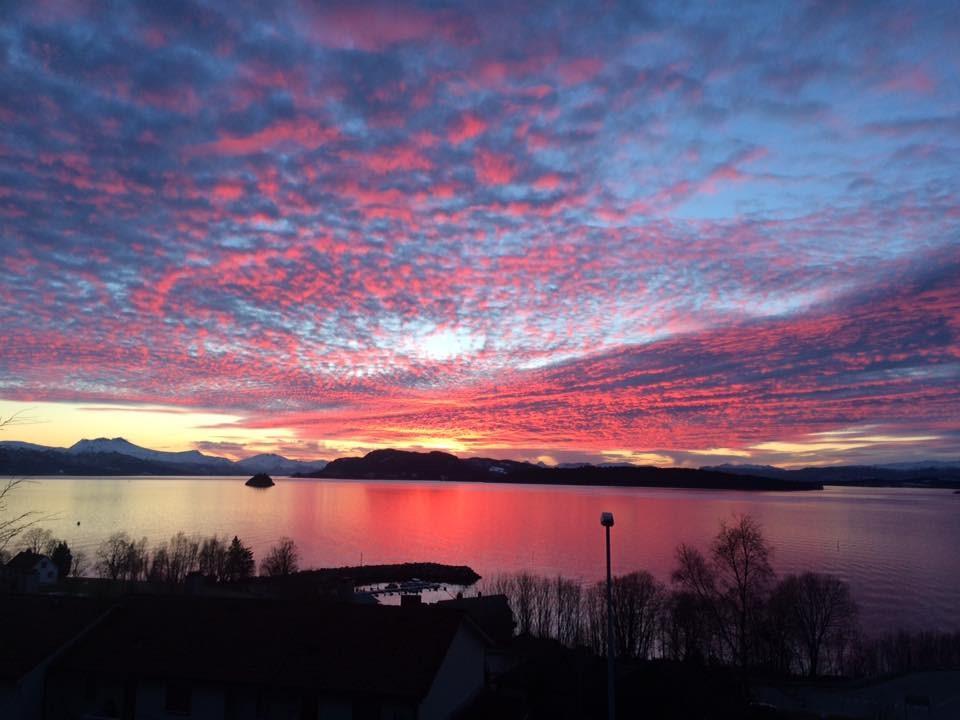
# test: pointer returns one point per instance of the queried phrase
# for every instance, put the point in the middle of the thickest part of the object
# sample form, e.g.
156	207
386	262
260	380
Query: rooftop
36	626
342	648
24	561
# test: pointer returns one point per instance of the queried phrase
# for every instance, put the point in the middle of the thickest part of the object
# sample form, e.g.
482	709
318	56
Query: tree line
725	606
121	557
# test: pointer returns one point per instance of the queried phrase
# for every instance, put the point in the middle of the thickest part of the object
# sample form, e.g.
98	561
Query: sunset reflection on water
895	546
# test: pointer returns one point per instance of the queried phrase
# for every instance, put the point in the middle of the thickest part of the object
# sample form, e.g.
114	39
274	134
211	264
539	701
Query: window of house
177	698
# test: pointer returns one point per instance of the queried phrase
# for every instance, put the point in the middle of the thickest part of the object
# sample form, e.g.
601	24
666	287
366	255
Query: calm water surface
898	548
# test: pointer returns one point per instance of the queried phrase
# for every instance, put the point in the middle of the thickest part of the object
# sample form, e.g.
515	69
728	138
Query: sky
655	232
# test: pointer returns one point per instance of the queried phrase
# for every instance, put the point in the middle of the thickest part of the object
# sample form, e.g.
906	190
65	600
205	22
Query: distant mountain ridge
397	464
404	465
118	456
121	446
934	473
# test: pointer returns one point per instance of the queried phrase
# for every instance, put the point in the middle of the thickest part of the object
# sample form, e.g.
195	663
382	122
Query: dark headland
405	465
260	480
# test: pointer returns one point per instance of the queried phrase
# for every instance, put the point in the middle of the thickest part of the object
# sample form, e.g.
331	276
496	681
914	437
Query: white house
29	571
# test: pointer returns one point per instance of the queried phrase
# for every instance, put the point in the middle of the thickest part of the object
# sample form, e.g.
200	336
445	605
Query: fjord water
898	548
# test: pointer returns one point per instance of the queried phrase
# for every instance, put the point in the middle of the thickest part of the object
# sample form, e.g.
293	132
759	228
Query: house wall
31	693
335	710
70	695
205	702
9	701
26	583
73	695
459	679
45	571
396	710
23	700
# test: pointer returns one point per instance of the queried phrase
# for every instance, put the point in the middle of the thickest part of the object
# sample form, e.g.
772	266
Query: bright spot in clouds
447	344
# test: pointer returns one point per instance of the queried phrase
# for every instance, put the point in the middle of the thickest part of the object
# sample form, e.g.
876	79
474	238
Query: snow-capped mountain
122	446
276	465
20	445
118	456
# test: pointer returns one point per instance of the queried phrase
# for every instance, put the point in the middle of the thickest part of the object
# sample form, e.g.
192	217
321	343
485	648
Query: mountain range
118	456
397	464
405	465
932	473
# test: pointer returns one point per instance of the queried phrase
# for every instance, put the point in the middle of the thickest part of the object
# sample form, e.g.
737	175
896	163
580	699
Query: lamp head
606	519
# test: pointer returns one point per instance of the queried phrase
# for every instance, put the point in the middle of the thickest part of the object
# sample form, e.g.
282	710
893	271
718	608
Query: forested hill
405	465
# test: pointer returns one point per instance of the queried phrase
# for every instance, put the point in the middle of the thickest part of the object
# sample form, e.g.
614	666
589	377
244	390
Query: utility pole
606	519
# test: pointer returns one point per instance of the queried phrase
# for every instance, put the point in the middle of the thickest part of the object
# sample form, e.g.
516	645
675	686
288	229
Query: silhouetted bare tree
595	618
182	552
282	559
37	540
697	607
733	585
119	557
159	565
568	609
823	615
744	576
724	608
543	608
779	630
688	631
901	652
637	602
80	564
523	593
11	525
212	558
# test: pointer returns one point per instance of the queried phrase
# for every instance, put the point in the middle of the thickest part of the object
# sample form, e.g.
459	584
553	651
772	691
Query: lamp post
606	519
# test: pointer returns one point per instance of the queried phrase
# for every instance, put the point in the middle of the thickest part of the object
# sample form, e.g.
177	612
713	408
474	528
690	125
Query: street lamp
606	519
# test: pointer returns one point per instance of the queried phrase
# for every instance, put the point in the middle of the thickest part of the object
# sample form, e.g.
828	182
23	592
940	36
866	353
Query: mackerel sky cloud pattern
646	231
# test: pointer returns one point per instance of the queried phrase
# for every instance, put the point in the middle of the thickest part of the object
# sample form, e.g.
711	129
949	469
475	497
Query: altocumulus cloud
541	230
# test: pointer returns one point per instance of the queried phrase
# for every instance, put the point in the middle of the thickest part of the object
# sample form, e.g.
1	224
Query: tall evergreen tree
240	563
62	557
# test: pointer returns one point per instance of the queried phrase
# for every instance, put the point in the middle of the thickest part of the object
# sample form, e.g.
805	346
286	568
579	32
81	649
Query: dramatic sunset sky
668	232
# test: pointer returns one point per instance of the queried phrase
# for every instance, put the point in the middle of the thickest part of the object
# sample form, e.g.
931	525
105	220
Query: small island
260	480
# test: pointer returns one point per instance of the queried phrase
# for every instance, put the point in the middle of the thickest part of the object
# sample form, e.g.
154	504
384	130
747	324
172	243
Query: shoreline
787	486
749	484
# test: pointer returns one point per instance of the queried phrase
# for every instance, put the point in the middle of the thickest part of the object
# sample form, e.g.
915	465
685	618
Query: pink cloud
466	127
304	133
397	159
493	168
579	71
914	80
381	25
